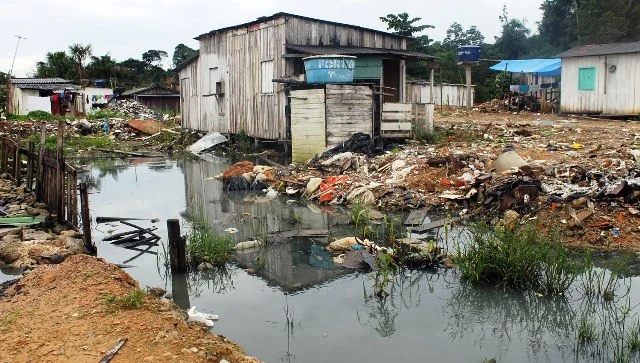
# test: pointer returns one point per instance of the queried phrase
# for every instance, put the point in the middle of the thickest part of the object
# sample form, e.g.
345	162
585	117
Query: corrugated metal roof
543	67
38	80
331	49
142	89
282	15
601	49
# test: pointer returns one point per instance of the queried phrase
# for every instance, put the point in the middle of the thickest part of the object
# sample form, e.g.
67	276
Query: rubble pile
580	174
28	234
134	109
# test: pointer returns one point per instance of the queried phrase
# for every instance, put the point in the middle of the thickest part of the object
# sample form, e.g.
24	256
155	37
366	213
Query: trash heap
134	109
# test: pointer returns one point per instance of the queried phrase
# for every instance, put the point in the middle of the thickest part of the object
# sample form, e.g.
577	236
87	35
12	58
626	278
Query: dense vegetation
564	24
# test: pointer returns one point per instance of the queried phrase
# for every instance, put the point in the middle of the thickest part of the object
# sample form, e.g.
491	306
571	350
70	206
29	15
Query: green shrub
206	245
522	258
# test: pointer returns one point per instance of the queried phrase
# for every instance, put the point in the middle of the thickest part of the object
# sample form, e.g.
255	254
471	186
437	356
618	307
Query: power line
20	37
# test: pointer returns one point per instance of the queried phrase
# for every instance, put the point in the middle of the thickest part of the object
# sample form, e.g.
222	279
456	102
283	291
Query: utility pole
20	37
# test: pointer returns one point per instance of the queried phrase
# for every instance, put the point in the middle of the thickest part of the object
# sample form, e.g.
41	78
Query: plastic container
469	54
329	68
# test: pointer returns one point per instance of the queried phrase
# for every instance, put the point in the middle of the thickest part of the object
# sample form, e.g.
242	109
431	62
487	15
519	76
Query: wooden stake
86	219
17	168
113	351
30	157
59	189
177	247
40	175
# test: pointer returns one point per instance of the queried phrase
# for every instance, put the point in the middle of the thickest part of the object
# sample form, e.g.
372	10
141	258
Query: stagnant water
299	306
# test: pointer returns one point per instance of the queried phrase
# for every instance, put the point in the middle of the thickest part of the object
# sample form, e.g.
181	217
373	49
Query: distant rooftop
601	49
45	84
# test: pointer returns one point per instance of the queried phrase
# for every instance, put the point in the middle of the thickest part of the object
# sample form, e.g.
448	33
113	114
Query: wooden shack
601	79
159	98
230	86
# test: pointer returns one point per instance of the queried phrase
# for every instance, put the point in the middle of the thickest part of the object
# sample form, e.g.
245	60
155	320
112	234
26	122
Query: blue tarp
543	67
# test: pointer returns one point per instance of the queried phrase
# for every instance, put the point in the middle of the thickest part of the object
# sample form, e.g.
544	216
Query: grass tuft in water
521	258
205	244
586	331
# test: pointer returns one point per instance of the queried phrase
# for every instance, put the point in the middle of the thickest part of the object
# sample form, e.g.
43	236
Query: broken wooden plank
415	218
21	221
124	234
113	351
302	233
434	224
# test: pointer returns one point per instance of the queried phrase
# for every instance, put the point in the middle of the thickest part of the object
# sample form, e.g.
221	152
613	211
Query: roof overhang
543	67
305	50
50	86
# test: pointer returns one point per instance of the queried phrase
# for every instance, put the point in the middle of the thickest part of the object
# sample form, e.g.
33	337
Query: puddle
297	306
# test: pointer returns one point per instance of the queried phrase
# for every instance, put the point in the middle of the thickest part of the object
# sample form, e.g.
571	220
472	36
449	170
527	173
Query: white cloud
127	28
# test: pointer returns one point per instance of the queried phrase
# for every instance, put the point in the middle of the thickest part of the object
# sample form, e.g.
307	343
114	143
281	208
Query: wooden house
155	97
229	87
601	79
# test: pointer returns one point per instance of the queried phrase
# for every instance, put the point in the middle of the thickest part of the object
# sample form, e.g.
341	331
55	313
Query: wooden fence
46	175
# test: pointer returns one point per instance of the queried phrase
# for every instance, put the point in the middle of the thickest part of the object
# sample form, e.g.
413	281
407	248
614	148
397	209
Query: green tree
79	53
559	25
402	24
56	64
154	56
457	36
4	78
512	43
102	67
182	53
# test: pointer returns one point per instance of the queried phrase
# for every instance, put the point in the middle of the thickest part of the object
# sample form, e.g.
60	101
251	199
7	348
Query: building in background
158	98
601	79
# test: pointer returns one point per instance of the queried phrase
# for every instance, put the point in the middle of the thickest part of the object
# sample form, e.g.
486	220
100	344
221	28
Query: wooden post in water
59	183
177	247
86	219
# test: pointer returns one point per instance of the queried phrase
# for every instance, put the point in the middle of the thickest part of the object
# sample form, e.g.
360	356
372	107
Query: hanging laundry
514	88
545	85
534	88
524	88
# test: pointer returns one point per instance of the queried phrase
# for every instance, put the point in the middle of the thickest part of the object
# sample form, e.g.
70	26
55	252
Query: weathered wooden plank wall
450	95
189	99
308	124
349	110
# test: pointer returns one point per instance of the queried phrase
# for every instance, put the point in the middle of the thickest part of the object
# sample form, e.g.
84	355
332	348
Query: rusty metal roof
601	49
289	15
343	50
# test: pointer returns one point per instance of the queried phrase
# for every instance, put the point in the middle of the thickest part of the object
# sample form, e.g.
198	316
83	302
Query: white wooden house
601	79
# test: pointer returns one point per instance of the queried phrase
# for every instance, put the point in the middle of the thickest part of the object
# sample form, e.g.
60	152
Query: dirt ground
60	313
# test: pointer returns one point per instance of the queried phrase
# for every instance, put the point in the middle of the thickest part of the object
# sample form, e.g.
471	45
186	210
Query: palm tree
79	54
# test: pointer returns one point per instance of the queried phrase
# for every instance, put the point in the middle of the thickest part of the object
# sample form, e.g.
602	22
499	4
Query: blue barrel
100	83
469	54
329	68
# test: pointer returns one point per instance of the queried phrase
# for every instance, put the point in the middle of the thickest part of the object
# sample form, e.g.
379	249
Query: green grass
586	331
633	338
74	143
523	258
128	301
104	113
36	115
207	245
438	136
8	320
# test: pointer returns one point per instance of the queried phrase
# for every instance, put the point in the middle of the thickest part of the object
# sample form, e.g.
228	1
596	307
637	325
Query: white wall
450	94
616	93
89	92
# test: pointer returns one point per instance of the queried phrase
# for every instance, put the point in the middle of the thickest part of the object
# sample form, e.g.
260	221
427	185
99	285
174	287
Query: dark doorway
391	78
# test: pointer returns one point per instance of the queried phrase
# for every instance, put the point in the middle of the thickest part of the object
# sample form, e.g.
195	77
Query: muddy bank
29	233
77	310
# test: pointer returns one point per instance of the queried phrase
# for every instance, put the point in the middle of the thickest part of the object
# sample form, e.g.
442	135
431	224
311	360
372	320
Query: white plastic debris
271	193
207	141
199	317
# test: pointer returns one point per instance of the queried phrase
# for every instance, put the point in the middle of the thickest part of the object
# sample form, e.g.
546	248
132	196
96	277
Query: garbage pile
134	109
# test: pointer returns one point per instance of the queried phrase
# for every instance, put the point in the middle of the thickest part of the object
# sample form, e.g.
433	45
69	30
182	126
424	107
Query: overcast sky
128	28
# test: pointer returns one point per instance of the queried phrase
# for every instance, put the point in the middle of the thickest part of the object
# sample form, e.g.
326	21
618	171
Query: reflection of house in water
291	265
